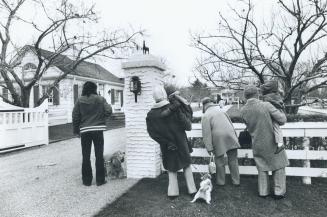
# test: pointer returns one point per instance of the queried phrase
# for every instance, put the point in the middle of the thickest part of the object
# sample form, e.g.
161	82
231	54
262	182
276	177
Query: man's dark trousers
86	140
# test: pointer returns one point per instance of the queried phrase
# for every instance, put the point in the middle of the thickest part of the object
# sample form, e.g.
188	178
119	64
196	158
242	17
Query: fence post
306	163
142	153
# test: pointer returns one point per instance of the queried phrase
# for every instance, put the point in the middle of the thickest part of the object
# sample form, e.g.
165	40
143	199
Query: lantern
135	86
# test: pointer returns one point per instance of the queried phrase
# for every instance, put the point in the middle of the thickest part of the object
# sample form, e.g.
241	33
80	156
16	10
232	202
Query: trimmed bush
236	118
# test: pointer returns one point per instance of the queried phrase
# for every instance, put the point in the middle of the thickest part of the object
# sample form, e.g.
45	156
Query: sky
168	24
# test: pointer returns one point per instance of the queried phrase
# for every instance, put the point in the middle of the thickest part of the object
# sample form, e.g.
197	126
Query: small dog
205	189
114	165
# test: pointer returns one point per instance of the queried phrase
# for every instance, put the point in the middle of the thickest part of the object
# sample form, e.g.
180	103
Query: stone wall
142	153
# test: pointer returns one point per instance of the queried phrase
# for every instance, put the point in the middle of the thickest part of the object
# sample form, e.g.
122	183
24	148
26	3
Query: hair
251	92
170	88
89	88
269	87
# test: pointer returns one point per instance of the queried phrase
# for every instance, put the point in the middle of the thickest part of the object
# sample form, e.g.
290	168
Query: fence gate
23	127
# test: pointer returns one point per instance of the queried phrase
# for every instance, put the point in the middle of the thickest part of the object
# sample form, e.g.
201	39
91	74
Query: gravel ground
46	181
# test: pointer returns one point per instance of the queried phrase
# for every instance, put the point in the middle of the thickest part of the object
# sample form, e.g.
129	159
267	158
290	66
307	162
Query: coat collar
252	101
209	106
160	104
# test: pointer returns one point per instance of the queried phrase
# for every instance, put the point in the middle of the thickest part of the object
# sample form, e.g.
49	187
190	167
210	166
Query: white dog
205	189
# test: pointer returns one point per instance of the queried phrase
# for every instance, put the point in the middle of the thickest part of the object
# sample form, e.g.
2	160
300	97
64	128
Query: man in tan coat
219	137
258	117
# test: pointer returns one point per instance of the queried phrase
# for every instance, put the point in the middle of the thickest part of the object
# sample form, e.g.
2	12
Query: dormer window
29	66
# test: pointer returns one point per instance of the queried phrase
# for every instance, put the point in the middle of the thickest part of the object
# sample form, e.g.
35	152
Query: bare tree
288	48
59	32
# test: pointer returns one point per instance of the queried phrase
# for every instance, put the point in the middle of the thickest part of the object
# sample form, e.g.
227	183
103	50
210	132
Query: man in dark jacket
166	124
89	121
258	117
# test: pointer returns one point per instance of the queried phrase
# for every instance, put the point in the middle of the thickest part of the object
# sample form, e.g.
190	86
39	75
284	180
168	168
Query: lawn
148	198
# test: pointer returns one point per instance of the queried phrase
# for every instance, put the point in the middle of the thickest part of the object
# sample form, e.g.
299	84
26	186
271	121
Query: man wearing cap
219	137
166	124
258	117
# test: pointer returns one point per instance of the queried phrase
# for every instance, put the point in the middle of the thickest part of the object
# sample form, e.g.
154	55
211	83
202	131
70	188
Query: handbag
212	164
245	139
190	145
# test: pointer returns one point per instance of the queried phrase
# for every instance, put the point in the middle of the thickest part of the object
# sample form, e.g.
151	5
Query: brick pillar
142	153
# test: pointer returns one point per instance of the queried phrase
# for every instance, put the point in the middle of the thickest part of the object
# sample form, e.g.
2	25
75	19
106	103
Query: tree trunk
25	97
290	107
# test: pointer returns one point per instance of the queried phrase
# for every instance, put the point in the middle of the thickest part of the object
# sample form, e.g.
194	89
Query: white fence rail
298	129
23	127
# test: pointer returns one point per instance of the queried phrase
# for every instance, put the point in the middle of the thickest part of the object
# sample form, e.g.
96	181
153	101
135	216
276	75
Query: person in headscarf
220	138
271	93
258	117
166	124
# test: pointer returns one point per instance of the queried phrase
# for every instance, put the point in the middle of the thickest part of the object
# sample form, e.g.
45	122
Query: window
29	66
101	89
116	96
50	96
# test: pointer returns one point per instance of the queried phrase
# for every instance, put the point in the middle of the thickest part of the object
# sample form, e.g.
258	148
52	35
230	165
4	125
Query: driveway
46	181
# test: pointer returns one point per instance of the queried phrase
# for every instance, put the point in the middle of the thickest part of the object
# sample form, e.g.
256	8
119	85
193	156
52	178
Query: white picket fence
298	129
23	127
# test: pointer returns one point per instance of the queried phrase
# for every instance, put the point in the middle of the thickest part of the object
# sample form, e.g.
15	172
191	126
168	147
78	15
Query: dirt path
47	182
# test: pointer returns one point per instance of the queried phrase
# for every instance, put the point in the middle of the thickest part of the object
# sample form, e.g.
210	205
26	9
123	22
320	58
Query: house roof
8	107
84	69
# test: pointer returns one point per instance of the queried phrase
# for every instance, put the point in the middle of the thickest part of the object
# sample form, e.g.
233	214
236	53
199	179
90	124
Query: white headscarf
159	94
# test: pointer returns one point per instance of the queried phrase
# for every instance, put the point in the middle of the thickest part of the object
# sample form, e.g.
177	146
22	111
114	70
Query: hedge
290	118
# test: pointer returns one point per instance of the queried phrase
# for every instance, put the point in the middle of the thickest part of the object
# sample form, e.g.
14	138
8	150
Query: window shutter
5	93
56	97
75	92
121	98
112	96
36	94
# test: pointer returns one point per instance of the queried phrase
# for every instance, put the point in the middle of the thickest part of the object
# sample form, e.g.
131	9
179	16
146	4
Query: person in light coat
220	138
258	117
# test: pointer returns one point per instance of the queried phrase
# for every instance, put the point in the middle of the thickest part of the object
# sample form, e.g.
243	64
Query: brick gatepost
142	153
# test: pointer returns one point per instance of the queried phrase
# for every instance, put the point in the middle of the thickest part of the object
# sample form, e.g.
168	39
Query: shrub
236	118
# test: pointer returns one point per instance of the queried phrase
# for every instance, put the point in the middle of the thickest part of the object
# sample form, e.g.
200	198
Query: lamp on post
135	86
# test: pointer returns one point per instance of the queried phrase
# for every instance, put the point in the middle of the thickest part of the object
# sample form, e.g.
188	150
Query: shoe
101	183
87	184
264	196
279	149
278	197
172	197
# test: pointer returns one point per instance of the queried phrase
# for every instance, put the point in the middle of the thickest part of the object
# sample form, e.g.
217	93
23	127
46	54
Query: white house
229	95
62	99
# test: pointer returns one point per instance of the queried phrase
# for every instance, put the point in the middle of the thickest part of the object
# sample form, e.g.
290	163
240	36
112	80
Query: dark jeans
86	140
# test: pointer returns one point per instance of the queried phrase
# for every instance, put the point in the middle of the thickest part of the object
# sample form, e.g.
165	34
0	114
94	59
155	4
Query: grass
148	198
